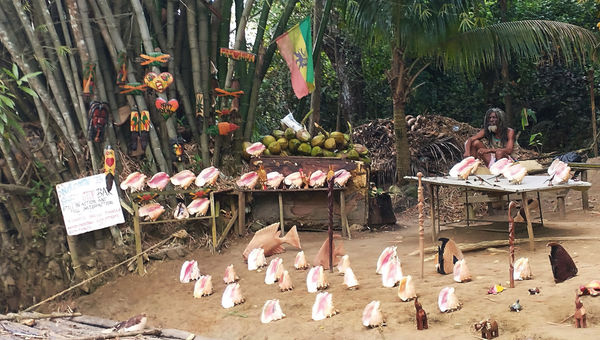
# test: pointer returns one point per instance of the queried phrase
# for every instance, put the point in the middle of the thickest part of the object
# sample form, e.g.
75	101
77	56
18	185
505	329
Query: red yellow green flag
295	47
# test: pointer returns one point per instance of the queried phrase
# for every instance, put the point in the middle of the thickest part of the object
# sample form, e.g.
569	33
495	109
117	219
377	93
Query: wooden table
280	193
489	183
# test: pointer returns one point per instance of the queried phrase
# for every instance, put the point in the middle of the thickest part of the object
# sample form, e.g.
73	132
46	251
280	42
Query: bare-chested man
494	141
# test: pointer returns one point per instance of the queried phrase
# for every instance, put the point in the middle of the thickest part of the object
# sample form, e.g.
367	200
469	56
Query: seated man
494	141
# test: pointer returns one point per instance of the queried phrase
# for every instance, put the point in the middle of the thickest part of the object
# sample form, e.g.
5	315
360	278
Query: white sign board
86	204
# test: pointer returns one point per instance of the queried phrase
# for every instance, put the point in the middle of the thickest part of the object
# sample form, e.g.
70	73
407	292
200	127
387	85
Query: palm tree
443	33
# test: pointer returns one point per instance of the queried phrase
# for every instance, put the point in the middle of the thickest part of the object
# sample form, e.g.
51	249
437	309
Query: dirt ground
170	304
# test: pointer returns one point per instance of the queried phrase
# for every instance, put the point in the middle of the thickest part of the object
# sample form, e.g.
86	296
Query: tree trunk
315	97
593	107
398	83
224	38
204	44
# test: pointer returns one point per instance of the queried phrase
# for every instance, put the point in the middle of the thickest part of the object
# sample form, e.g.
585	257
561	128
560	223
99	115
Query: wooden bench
584	167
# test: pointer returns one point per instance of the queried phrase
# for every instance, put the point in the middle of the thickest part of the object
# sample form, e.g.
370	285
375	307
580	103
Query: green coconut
329	144
316	151
267	152
353	155
278	133
245	145
267	140
361	149
304	149
366	160
283	143
317	140
275	148
290	133
284	153
293	145
303	135
338	136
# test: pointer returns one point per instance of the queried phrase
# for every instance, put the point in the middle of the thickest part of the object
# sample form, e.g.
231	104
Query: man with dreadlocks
494	141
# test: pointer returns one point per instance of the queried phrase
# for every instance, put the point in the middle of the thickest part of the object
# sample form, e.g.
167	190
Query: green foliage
527	114
43	200
8	117
535	140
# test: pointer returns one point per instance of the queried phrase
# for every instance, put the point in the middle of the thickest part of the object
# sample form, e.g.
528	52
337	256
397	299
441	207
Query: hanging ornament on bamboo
122	68
177	149
158	82
228	92
199	105
133	88
139	127
166	108
134	127
89	75
98	117
144	128
154	59
225	128
109	167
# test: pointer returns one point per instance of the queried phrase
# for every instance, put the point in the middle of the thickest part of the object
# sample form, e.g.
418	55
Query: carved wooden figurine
421	316
489	328
579	313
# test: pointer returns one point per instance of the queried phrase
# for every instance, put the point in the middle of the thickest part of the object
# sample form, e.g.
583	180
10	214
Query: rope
99	274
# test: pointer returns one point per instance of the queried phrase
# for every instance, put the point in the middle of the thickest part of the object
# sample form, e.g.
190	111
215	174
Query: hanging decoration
98	117
223	112
109	167
122	68
228	92
133	88
237	54
154	59
177	149
166	108
139	127
158	82
199	105
89	75
226	128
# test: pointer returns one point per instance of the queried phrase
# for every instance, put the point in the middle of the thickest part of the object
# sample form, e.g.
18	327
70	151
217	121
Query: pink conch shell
391	273
248	180
317	179
256	259
300	262
274	179
461	271
388	254
183	179
232	296
274	271
286	282
203	286
350	279
293	180
341	177
315	279
465	168
151	211
447	300
561	172
515	173
135	181
372	316
522	269
189	271
500	165
553	166
323	306
271	312
207	176
159	181
268	239
180	212
406	289
230	275
199	206
343	264
256	149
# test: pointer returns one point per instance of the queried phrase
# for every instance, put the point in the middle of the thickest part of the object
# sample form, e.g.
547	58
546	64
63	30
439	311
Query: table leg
344	216
528	216
437	199
561	206
432	212
540	208
281	221
468	213
241	212
138	239
584	194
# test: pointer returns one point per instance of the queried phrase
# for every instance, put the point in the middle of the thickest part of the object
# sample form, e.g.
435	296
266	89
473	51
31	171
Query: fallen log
16	316
122	334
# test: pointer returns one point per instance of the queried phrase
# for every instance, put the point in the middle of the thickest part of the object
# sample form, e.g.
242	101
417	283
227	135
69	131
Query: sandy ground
170	304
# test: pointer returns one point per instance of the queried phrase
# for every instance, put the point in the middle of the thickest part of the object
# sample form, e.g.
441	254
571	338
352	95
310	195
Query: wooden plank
432	213
584	194
138	238
281	221
584	166
23	331
241	212
228	227
529	225
344	216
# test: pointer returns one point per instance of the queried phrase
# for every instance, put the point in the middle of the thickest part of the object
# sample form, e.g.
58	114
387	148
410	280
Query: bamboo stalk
421	223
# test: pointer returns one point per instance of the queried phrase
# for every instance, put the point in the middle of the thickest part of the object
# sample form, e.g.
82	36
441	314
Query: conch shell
350	279
274	271
372	316
316	280
189	271
271	312
285	283
391	273
386	255
232	296
343	264
406	289
522	269
230	276
323	306
461	271
203	286
256	259
300	262
447	300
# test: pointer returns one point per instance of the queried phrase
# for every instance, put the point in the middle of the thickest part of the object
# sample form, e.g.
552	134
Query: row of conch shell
522	270
203	286
461	271
316	280
230	275
232	296
447	300
372	316
323	306
256	259
189	271
285	283
300	262
350	279
344	264
274	271
271	311
406	289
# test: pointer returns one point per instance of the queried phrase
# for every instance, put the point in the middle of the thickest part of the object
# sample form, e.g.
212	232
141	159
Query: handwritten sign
86	205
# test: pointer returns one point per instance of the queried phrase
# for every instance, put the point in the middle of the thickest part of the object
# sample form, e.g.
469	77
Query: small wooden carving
579	313
489	328
421	316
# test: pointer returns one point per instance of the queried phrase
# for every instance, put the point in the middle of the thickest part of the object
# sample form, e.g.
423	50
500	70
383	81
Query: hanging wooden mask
177	149
98	117
158	82
166	108
122	68
109	167
199	105
89	74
